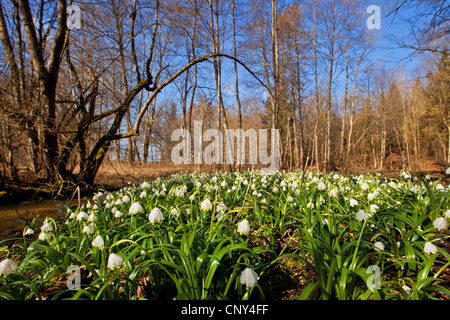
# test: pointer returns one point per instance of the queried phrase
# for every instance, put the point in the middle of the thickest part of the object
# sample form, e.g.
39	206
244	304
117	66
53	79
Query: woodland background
75	101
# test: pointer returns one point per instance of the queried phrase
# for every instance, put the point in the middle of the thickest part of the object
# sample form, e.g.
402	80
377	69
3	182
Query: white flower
353	202
98	242
440	187
447	214
406	288
206	205
135	208
275	190
249	277
143	194
118	202
99	196
92	217
82	215
145	185
364	186
447	171
430	248
175	212
379	246
114	261
88	229
126	198
243	227
333	192
42	236
290	199
440	223
7	266
372	195
220	215
118	214
221	207
321	186
46	227
374	208
361	215
155	215
29	231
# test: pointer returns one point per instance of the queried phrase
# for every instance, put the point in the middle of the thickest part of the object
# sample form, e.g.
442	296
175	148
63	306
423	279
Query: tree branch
177	74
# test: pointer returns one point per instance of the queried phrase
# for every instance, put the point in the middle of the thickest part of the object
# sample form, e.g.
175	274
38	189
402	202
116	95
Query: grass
312	236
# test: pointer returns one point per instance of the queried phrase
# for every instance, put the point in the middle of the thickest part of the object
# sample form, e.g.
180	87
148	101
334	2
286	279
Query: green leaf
309	289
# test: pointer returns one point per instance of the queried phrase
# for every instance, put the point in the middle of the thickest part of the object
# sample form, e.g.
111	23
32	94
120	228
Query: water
17	216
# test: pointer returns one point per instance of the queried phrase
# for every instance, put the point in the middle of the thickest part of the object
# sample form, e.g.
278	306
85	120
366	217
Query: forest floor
113	176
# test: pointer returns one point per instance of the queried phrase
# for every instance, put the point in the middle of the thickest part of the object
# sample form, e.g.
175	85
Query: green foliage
359	237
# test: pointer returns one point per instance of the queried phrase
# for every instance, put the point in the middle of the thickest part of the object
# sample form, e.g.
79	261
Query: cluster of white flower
361	196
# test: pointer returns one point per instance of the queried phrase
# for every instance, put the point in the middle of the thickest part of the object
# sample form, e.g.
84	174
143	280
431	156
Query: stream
17	216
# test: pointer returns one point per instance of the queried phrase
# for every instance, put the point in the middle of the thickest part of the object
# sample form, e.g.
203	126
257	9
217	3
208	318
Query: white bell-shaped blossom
7	266
114	261
243	227
206	205
82	215
155	215
88	229
361	215
430	248
249	277
135	208
98	242
379	246
440	223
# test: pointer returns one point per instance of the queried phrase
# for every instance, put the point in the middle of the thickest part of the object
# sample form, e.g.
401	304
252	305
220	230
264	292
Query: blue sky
387	54
396	26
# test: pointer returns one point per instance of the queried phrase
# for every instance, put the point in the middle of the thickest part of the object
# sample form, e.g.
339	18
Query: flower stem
352	266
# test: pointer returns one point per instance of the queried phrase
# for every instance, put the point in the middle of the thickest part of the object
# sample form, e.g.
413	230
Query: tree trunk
316	81
236	87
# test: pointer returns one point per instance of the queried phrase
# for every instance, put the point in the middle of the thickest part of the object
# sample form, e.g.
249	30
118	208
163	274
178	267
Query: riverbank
27	199
111	176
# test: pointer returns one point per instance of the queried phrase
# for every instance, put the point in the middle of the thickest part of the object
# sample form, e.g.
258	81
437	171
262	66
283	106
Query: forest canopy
86	81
